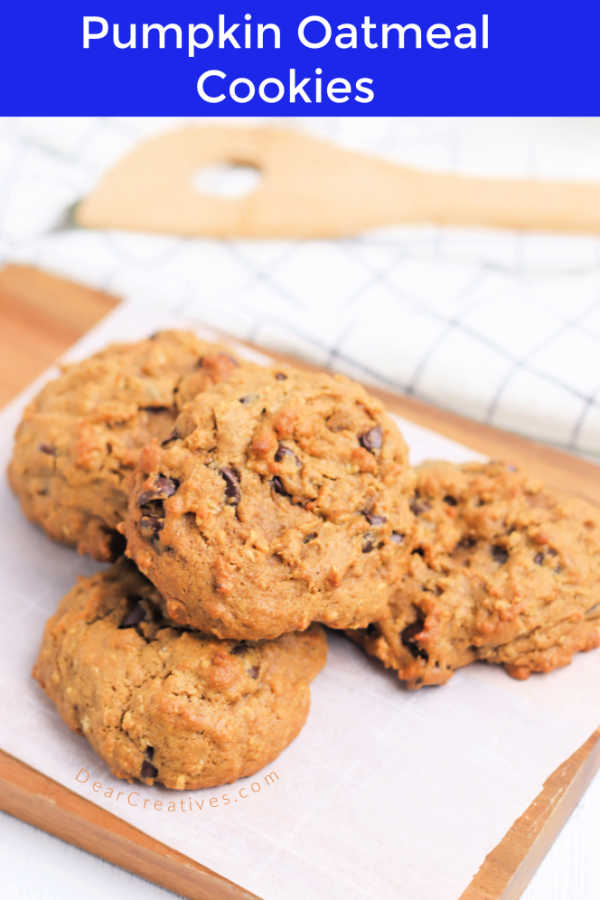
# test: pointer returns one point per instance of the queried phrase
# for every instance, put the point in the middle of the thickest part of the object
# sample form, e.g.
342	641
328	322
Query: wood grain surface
40	317
509	868
40	801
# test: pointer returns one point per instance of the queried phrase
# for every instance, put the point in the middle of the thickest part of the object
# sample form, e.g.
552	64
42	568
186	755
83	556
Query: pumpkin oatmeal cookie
281	499
502	570
166	705
80	437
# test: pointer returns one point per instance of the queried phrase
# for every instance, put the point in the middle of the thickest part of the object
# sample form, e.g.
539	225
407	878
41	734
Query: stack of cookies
243	508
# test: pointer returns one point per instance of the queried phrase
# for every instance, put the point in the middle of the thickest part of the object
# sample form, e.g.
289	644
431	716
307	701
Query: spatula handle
506	203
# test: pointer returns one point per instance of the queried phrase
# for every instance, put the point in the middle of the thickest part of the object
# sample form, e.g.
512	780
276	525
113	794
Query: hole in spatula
226	179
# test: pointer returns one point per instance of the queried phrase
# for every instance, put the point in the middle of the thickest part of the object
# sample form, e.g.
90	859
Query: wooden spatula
311	188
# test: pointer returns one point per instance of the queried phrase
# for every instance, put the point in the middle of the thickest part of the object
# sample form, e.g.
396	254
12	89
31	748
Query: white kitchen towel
500	326
385	793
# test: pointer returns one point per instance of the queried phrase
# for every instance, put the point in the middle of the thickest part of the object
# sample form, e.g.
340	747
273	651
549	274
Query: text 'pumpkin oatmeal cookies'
502	570
80	437
281	500
166	705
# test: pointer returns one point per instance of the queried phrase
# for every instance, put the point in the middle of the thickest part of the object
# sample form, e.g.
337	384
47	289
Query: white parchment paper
384	794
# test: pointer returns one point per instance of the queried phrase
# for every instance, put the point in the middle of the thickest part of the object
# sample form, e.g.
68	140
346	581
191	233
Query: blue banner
302	59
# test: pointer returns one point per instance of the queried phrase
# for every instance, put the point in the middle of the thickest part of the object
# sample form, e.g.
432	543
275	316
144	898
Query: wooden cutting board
40	317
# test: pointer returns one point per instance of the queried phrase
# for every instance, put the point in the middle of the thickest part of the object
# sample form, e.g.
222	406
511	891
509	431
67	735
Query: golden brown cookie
502	570
281	500
81	436
166	705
